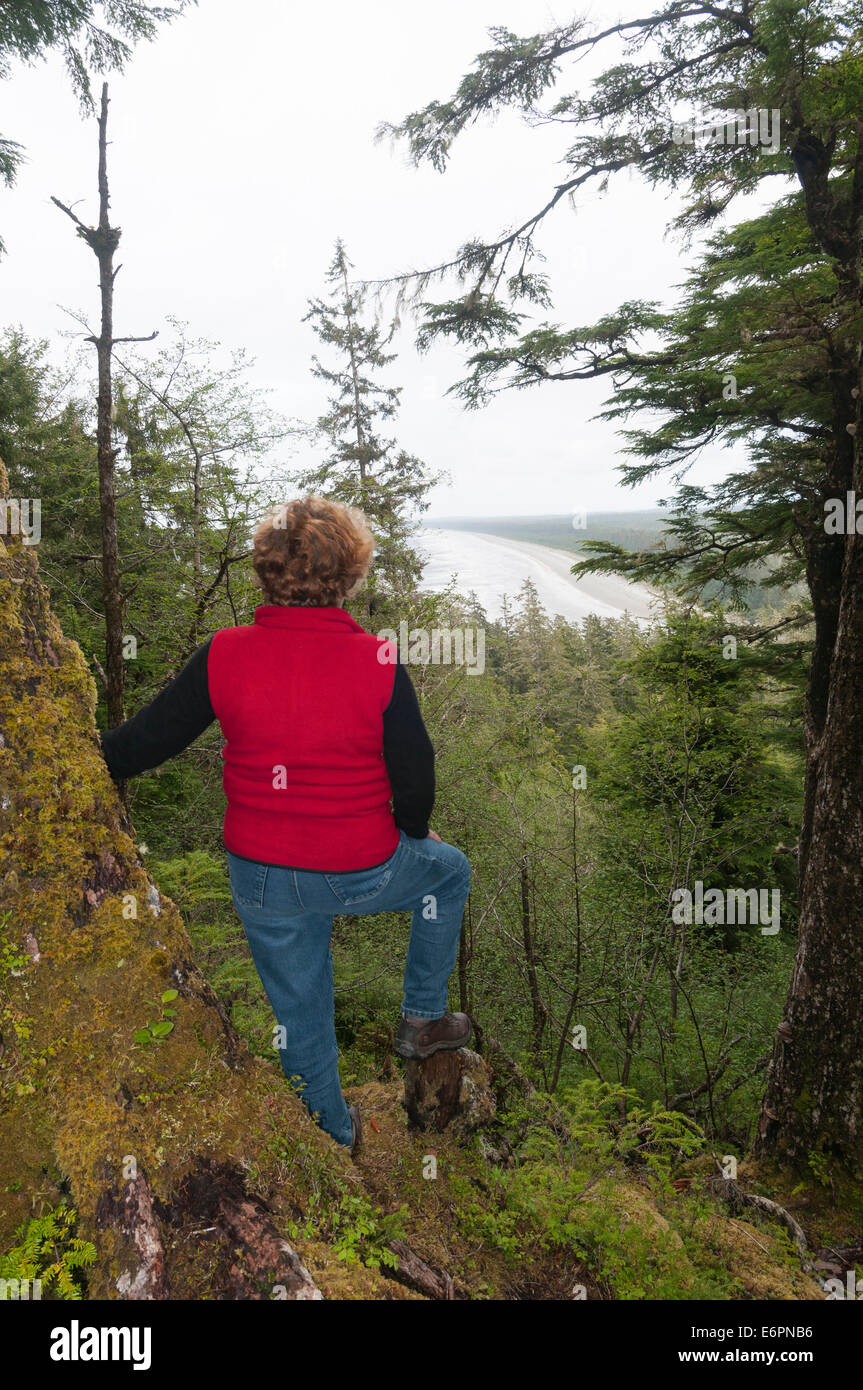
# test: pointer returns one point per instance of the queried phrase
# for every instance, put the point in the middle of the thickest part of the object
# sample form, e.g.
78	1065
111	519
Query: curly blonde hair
312	552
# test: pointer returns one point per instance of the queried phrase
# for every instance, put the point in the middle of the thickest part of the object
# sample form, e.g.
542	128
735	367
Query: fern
49	1251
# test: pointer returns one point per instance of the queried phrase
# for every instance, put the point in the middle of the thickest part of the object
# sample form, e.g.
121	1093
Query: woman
329	780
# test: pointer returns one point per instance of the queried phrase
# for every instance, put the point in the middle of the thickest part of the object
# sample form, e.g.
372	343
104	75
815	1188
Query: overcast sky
242	146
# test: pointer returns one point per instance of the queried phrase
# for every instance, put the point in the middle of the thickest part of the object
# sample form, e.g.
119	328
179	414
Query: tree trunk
537	1008
103	241
449	1089
104	247
178	1154
814	1097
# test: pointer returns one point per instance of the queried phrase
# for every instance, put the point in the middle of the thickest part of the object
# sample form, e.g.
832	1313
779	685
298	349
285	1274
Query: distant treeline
634	530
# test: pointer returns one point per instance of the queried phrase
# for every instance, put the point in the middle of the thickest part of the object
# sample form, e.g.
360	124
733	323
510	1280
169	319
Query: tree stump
449	1089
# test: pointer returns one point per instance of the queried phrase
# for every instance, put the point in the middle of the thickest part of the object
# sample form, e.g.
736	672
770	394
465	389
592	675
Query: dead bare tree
103	241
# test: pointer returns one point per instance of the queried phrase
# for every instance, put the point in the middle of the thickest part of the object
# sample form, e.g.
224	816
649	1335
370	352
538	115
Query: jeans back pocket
248	880
360	885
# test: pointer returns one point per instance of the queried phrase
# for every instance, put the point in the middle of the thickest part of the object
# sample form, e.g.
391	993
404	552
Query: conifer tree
765	349
363	467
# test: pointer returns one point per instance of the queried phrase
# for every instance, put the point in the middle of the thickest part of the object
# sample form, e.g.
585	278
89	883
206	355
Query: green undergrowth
564	1198
600	1188
49	1253
607	1190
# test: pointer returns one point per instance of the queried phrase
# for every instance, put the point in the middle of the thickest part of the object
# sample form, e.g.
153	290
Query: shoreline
548	567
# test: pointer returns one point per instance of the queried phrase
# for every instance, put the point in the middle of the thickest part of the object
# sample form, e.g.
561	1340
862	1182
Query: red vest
300	696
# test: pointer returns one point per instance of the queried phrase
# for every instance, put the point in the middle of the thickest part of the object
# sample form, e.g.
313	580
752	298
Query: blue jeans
288	919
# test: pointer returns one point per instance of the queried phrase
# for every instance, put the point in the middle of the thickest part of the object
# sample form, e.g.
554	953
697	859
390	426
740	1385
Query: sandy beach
494	566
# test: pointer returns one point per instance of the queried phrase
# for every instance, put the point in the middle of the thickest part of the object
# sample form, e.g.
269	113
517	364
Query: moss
67	867
337	1280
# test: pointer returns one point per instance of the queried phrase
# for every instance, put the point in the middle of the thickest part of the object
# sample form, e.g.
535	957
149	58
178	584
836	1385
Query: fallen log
416	1274
736	1198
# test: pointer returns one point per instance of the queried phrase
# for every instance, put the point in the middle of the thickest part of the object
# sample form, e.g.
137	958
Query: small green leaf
142	1035
161	1030
169	995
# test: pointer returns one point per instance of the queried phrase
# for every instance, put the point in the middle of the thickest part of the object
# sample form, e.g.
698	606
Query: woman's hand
433	836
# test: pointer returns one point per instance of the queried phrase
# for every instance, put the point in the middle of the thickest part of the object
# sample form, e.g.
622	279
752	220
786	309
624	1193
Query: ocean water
494	566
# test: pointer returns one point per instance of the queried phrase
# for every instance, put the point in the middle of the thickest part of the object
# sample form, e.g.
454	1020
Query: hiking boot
356	1128
421	1037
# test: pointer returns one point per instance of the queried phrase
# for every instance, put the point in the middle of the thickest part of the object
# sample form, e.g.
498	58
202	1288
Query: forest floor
675	1244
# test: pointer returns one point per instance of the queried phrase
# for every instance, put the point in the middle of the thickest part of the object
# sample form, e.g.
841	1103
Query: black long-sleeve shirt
182	711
